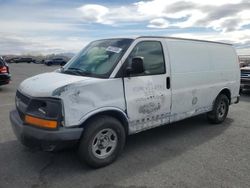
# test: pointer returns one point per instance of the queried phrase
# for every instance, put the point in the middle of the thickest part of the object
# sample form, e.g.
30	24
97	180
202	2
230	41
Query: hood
245	68
43	85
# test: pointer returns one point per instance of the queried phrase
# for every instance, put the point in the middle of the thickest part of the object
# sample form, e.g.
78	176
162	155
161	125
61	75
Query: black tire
91	140
220	110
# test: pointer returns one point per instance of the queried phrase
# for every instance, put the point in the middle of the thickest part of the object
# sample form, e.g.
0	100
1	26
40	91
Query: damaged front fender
83	99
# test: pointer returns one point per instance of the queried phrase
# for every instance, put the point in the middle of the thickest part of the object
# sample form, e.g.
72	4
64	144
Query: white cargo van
117	87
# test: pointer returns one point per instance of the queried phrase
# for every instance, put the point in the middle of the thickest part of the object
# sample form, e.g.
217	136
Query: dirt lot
190	153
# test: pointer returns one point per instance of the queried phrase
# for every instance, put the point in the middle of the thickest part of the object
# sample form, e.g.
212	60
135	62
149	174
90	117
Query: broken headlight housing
46	113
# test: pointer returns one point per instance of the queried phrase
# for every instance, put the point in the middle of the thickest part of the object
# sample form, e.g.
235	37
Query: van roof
184	39
165	37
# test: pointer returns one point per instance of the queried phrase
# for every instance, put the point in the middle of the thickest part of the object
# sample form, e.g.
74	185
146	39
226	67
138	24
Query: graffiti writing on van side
149	108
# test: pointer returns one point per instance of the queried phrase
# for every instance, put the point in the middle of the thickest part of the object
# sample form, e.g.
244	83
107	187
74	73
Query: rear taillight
3	69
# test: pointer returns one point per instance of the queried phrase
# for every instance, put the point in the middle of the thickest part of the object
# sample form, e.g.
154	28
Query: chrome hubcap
221	109
104	143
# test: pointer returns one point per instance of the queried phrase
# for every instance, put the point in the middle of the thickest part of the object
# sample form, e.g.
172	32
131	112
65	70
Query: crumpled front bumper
46	140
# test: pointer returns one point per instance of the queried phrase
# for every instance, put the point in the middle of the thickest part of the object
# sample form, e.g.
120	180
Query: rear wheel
102	141
220	110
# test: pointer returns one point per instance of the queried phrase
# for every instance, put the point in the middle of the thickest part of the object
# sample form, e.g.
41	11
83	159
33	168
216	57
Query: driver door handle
168	82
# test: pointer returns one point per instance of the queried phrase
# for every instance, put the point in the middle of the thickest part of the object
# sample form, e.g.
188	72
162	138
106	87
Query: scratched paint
148	102
151	98
149	108
149	122
81	98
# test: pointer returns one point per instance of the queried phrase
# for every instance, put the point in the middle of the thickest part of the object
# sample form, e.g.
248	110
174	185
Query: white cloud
240	39
16	44
220	15
245	51
33	26
158	23
94	13
50	29
111	15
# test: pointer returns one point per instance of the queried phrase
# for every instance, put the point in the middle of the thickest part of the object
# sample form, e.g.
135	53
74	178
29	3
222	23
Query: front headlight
46	113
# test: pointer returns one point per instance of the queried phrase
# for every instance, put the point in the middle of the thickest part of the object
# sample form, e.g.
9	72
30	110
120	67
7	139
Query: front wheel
102	141
220	110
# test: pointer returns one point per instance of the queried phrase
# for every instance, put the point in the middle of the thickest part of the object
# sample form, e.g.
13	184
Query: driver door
148	96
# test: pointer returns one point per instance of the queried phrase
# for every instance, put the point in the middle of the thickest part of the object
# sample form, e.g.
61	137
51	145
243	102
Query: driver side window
152	54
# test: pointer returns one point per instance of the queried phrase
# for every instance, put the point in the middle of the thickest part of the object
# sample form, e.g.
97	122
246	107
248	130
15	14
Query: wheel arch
117	113
226	92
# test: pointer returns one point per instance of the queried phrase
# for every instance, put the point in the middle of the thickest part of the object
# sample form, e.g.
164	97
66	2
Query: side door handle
168	82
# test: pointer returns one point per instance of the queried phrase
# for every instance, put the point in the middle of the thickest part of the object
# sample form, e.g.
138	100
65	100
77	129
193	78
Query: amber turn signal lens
41	122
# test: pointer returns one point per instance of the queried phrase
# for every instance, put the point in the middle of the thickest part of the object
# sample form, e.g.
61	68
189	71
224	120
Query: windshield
98	59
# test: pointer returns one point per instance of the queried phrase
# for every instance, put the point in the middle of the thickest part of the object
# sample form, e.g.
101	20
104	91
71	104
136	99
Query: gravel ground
190	153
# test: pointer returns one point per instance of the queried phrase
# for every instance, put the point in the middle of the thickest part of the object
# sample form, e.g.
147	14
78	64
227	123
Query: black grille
22	98
22	103
21	114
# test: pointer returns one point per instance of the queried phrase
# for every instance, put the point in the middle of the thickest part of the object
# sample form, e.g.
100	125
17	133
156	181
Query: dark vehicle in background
245	77
11	60
55	61
4	72
23	60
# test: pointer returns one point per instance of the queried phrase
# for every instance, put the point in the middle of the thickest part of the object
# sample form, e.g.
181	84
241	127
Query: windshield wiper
76	71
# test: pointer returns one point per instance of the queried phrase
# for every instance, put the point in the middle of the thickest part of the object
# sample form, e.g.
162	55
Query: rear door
148	95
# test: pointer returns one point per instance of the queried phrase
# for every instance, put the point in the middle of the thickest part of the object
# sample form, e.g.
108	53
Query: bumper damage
41	139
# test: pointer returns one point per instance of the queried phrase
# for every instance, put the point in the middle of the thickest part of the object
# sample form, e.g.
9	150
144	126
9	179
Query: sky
58	26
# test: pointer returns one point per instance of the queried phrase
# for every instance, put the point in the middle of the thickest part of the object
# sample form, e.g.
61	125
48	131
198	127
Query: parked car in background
245	77
23	60
38	61
10	60
4	72
55	61
42	61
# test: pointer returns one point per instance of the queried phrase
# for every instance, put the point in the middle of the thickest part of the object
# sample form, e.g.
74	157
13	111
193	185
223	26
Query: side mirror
136	66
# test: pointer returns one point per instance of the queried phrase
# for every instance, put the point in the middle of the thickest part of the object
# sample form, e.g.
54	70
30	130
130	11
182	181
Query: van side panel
196	79
225	64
